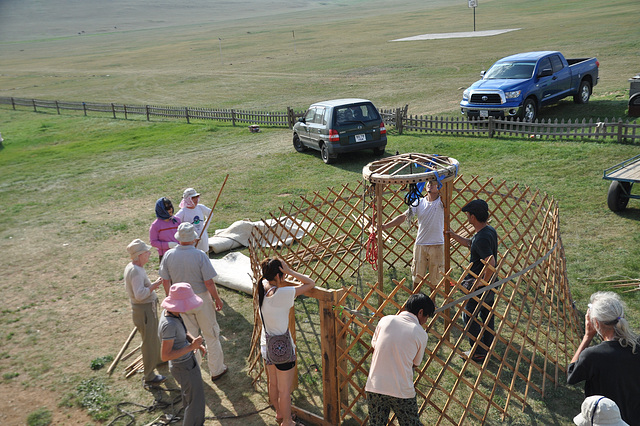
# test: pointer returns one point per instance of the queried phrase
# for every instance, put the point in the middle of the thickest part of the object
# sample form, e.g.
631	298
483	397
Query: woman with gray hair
143	298
612	367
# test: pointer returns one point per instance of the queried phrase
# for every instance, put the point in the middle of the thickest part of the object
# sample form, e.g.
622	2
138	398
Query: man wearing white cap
192	212
186	264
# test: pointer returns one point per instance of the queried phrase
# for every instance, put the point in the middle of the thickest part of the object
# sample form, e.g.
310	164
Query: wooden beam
124	348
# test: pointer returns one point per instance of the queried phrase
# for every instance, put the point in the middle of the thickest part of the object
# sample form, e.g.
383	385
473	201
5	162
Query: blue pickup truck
519	85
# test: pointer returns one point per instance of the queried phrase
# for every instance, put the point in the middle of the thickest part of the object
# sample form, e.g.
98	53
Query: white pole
220	44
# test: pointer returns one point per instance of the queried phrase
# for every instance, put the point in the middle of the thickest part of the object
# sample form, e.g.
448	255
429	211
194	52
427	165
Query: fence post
13	103
33	101
186	114
399	123
619	130
147	110
290	117
491	126
84	108
57	107
113	109
330	386
124	107
233	116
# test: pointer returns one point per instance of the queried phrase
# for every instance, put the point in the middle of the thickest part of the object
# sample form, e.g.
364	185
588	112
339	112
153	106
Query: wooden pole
204	228
124	348
448	194
133	351
379	188
135	362
330	385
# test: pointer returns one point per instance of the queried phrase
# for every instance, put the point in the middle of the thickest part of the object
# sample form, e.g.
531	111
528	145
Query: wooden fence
607	129
270	118
537	326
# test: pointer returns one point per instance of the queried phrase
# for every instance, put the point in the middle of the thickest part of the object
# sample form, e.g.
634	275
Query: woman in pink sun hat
178	348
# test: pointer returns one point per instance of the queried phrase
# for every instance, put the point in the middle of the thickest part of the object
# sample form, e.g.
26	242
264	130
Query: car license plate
361	137
484	113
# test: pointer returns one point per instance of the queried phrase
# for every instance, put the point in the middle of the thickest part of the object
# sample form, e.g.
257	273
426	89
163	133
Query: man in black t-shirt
483	245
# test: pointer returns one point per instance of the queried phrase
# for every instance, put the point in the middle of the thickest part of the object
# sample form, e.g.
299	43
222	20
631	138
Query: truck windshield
517	70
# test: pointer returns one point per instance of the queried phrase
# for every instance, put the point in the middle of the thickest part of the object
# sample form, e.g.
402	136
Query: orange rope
372	250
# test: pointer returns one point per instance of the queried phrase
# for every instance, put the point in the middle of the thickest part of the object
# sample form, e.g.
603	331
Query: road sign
473	3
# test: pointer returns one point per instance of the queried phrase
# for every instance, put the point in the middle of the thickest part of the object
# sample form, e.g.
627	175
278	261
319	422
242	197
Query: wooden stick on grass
124	348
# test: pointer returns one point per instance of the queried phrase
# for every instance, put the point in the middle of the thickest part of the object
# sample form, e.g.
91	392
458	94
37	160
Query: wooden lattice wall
537	329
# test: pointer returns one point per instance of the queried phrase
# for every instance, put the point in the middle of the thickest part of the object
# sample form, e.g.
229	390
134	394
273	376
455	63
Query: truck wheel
529	112
618	195
584	93
378	151
297	143
324	153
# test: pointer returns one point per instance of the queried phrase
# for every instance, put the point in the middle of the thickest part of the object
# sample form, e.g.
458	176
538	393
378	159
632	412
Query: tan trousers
145	318
427	258
203	321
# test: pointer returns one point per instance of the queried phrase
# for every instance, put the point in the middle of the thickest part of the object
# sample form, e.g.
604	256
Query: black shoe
159	379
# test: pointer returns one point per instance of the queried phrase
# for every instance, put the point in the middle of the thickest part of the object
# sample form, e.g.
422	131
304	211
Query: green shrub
93	395
100	362
40	417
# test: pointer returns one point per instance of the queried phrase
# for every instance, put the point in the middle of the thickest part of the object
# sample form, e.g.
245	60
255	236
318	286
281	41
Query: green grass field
76	190
258	64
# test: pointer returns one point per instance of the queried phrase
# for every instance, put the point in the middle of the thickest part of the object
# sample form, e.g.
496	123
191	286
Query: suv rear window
355	113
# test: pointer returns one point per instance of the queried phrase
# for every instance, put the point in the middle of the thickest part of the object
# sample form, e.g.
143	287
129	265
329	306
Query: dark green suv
338	126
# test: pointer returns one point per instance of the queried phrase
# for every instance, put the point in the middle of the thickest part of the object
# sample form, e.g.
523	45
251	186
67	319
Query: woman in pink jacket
162	230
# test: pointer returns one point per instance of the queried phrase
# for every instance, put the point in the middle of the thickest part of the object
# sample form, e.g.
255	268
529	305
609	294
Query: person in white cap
185	263
612	367
193	212
178	346
141	292
598	410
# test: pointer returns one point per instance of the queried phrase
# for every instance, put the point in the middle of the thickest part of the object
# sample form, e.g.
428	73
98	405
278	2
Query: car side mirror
482	73
545	72
302	120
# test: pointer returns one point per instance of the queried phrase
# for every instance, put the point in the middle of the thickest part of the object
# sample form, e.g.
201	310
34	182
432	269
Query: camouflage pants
380	406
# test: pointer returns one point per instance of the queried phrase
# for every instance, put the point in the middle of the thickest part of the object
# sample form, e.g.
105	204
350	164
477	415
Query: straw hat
599	411
181	298
186	233
137	247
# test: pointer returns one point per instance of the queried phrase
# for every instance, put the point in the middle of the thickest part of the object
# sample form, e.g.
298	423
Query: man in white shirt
398	345
428	251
